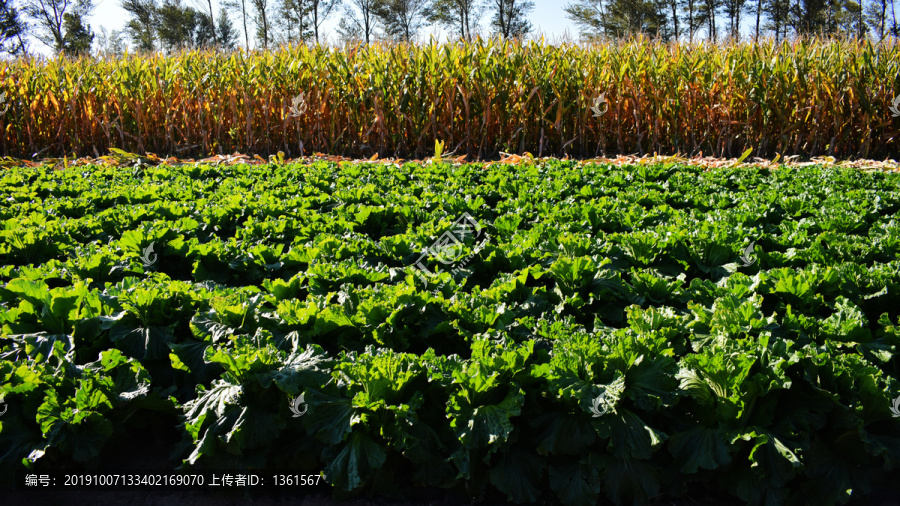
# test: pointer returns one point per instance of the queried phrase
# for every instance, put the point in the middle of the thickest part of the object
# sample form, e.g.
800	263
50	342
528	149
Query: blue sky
547	17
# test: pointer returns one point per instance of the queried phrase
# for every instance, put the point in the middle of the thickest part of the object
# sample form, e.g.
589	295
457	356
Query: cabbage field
549	331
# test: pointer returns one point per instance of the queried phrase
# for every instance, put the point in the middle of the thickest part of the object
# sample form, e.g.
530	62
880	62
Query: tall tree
460	16
349	30
359	20
628	17
227	36
261	17
183	27
49	17
876	17
837	16
12	29
212	18
707	10
401	19
240	7
666	27
733	10
588	16
695	18
756	9
204	30
895	28
808	16
511	17
671	7
296	16
617	18
778	17
855	20
78	36
110	43
141	28
321	9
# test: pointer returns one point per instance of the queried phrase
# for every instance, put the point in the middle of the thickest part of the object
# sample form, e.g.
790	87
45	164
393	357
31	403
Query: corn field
805	97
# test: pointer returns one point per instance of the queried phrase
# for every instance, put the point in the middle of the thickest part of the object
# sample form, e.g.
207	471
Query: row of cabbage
562	331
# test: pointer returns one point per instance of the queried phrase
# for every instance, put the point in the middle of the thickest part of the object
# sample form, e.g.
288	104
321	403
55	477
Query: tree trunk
893	20
859	27
367	21
265	22
244	15
674	5
316	19
212	19
758	9
691	21
468	28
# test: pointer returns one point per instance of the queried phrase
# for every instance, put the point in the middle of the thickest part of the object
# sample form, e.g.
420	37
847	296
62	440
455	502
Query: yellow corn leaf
744	156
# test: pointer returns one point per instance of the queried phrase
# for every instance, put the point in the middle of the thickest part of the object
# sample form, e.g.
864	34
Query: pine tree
876	17
855	19
297	19
707	11
837	16
349	30
261	18
694	18
756	10
459	16
78	36
778	14
141	28
619	18
895	26
51	22
183	27
401	19
12	29
110	43
807	16
227	36
670	7
733	10
588	17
